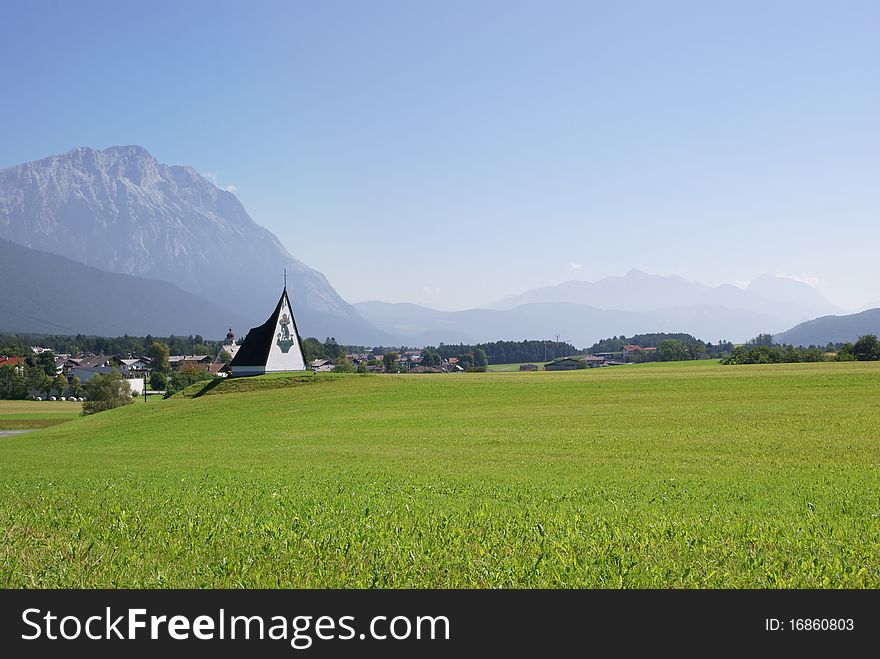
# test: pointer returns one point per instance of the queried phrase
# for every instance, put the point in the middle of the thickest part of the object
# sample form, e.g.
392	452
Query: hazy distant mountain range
832	329
193	261
776	297
575	323
122	211
583	312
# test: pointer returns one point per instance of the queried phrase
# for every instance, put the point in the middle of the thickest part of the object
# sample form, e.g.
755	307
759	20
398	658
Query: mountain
48	294
122	211
423	326
784	300
796	294
583	312
636	291
576	323
832	329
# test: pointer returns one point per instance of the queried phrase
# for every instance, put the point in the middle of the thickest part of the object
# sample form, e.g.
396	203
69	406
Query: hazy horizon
455	155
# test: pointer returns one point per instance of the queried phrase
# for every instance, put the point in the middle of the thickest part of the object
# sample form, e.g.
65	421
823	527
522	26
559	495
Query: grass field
28	414
667	475
509	368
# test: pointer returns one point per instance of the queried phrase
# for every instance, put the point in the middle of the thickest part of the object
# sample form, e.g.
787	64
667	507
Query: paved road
7	433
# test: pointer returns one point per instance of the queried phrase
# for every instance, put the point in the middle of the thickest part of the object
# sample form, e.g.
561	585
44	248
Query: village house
179	362
563	364
94	361
427	369
16	362
632	349
216	369
85	374
574	362
139	366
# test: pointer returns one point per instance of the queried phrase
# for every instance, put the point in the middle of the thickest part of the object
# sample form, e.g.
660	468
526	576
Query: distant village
39	372
276	346
138	369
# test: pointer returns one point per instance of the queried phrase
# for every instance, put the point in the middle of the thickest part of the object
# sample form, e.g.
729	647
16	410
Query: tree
313	349
672	350
184	378
224	356
845	354
37	380
867	348
332	349
158	353
76	388
59	384
389	360
106	391
762	340
480	359
13	385
46	361
158	381
466	361
430	357
343	365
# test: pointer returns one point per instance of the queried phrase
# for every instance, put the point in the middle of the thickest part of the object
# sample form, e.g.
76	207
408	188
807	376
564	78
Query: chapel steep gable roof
254	350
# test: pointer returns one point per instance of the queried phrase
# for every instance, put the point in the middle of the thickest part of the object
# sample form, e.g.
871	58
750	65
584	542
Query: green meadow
511	368
657	475
28	414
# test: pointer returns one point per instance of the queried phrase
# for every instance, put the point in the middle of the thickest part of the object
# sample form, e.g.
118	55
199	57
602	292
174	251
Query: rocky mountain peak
121	210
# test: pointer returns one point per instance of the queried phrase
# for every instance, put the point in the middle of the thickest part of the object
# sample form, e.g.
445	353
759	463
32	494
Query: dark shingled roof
254	350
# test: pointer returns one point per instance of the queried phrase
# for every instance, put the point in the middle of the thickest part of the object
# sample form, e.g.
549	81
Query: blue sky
454	153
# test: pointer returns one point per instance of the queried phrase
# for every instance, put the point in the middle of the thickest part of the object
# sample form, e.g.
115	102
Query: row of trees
36	376
17	383
694	348
506	352
473	359
867	348
674	350
757	351
763	354
19	344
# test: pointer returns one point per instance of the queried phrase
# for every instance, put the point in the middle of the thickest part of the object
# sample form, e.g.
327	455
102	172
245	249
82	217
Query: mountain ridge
785	300
120	210
832	329
86	300
575	323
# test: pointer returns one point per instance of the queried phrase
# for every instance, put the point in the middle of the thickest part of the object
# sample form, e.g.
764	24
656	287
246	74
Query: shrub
158	381
184	378
106	391
13	383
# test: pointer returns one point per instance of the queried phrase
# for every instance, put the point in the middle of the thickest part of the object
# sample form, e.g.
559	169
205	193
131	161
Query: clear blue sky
452	153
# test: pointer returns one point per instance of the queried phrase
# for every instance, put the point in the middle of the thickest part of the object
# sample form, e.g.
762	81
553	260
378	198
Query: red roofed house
628	350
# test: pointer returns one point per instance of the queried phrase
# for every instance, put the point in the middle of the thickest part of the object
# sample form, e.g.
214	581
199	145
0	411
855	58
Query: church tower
273	347
229	346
